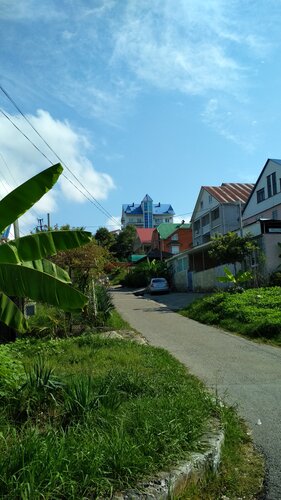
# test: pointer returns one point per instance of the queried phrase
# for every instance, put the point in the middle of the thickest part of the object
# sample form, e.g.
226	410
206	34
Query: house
261	215
218	210
142	243
171	239
146	214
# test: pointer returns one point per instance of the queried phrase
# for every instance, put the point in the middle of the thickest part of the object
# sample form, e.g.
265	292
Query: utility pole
49	222
240	219
40	224
16	229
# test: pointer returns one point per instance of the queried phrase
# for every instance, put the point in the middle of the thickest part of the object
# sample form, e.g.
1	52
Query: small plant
236	279
38	395
100	305
79	398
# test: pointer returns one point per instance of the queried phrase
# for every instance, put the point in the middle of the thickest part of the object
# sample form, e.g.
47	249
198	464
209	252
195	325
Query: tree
124	242
104	237
231	248
24	269
83	263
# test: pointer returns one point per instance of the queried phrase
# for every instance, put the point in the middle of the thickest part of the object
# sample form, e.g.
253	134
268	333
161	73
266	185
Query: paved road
241	371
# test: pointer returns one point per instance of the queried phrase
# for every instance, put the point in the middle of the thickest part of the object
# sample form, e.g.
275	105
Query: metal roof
230	192
166	229
157	209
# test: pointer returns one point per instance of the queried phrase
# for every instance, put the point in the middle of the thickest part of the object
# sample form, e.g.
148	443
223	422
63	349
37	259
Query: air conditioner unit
30	309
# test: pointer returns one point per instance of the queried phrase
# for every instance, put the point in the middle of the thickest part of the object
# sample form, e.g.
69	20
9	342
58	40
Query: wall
266	213
207	280
272	251
256	210
178	267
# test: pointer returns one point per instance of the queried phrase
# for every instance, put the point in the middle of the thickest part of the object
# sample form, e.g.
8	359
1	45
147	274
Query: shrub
255	312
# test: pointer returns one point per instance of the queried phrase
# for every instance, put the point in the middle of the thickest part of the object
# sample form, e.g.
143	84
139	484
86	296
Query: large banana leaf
11	315
23	197
22	281
45	266
41	245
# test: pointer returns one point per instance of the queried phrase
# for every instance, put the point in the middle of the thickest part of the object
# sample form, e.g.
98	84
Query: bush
255	313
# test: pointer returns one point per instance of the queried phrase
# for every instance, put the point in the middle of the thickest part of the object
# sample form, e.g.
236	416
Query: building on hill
171	239
146	214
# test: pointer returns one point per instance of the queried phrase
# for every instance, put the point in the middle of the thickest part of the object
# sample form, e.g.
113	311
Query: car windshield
158	280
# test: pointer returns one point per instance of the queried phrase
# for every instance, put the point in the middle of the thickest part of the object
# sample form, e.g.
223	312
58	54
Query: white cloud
19	160
226	122
188	48
113	224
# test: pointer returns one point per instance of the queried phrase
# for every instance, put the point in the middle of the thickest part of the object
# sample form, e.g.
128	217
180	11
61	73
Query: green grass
241	472
255	313
92	415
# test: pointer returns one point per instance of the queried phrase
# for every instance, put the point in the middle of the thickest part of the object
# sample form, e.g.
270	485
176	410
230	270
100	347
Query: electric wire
96	204
50	161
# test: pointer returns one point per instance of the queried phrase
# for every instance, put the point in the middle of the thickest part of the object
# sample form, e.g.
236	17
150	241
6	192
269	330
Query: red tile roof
230	191
145	234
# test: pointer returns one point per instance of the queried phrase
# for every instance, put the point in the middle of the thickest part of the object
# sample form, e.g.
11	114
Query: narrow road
242	372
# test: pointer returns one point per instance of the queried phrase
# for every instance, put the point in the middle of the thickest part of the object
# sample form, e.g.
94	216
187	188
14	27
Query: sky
136	97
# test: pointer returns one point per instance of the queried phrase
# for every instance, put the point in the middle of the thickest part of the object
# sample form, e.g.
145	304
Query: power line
96	204
63	174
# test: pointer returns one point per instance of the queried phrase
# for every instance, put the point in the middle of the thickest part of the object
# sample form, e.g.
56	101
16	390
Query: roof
255	185
145	234
136	257
157	209
166	229
230	191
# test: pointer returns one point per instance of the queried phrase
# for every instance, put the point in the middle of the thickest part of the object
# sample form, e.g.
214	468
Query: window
206	220
175	237
201	204
260	195
210	198
215	214
179	265
197	226
175	250
275	214
271	184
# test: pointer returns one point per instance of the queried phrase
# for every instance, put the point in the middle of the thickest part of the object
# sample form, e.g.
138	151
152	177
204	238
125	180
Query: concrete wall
272	251
207	280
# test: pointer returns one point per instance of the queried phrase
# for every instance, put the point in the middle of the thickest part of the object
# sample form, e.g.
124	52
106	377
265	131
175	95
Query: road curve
242	372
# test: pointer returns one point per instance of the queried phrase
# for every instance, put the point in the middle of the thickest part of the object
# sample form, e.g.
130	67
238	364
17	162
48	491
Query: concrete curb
171	484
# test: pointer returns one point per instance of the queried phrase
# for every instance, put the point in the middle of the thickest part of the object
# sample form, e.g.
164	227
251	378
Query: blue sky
136	97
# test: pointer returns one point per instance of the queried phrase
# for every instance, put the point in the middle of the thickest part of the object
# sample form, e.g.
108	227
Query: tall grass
97	415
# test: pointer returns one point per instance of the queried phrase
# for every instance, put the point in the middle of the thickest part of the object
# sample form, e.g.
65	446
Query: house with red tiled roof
142	243
218	210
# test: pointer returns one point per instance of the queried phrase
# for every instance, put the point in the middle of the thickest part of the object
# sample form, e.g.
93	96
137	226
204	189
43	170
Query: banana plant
25	270
235	279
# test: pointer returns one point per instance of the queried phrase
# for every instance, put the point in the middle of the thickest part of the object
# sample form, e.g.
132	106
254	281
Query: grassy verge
242	468
255	313
88	416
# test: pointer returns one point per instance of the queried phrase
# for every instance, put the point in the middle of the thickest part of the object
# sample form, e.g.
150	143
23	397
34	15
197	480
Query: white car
158	285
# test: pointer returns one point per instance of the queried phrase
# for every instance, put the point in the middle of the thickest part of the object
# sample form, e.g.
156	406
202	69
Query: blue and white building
146	214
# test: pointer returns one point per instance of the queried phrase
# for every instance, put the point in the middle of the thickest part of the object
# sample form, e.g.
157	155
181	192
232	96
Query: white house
262	214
